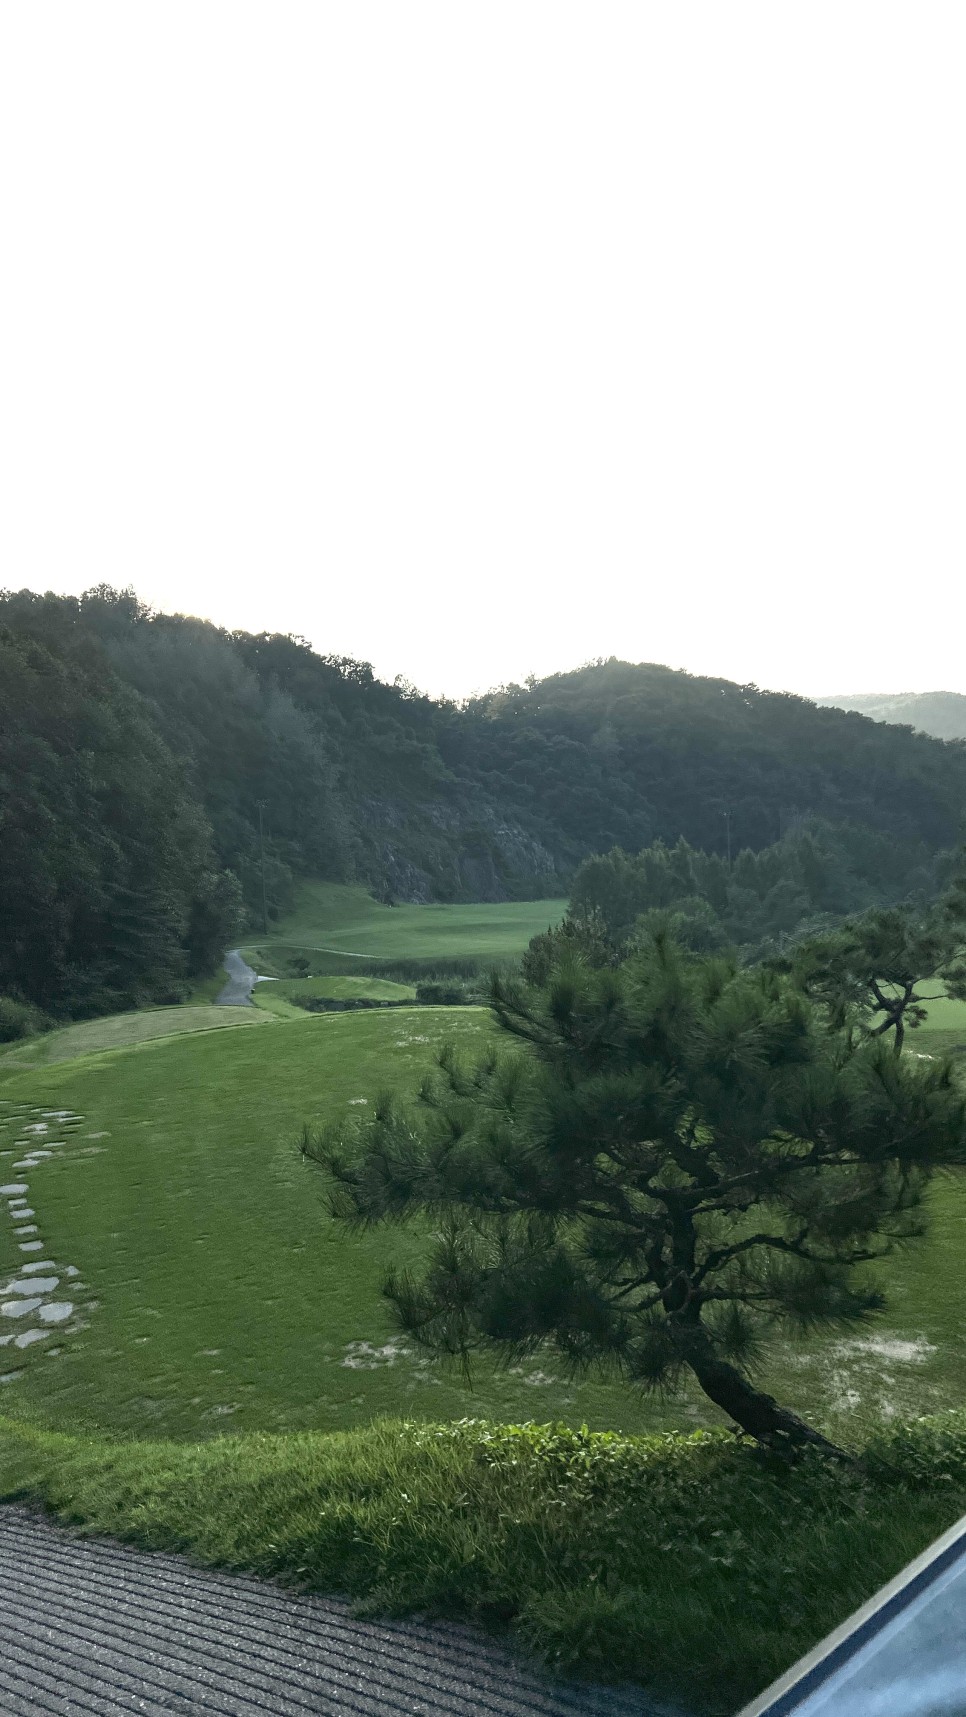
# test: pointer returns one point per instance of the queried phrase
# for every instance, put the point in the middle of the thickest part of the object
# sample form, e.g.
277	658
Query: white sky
481	339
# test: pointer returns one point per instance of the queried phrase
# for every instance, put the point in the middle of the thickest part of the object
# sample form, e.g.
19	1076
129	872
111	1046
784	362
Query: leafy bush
441	994
20	1019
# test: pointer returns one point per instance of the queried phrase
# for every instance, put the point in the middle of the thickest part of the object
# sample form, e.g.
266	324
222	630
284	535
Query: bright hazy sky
477	339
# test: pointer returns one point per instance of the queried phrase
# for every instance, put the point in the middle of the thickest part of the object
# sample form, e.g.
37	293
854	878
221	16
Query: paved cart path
237	993
91	1628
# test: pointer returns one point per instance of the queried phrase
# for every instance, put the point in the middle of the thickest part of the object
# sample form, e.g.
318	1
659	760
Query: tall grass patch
694	1565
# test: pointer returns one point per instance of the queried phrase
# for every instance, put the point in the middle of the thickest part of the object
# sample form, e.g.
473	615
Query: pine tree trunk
756	1413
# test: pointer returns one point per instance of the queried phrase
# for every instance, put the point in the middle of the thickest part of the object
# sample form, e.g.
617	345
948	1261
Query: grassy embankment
284	997
121	1031
219	1296
692	1565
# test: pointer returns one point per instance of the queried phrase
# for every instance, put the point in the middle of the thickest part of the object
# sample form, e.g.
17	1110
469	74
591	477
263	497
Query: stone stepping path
33	1300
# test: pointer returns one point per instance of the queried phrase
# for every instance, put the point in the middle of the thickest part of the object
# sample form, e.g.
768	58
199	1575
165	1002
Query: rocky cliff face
441	851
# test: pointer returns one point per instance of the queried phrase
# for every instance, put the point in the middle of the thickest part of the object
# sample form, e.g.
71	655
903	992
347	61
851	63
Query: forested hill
943	714
141	752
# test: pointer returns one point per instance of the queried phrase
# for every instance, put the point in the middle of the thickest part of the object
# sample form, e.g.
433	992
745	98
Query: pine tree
871	970
674	1159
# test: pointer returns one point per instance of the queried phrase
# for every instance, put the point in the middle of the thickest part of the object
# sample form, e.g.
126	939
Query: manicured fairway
281	996
332	918
117	1031
217	1293
943	1015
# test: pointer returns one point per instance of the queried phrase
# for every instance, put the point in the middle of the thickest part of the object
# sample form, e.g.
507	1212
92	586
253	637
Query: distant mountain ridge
942	714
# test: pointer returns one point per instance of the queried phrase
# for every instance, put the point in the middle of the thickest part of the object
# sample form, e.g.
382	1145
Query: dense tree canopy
109	893
804	883
618	754
755	811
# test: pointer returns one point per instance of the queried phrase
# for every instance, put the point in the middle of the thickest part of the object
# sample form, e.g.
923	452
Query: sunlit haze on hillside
481	341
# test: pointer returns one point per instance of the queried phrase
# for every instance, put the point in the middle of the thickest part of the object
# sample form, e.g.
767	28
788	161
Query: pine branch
724	1254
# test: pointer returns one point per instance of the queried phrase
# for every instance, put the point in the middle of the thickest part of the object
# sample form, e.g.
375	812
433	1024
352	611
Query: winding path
237	993
92	1628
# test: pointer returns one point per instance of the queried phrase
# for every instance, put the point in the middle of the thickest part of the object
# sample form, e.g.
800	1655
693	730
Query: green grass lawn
281	996
206	989
218	1293
118	1031
226	1297
336	919
211	1293
943	1015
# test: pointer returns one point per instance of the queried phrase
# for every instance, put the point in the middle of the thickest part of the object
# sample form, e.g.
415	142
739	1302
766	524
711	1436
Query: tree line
164	780
759	902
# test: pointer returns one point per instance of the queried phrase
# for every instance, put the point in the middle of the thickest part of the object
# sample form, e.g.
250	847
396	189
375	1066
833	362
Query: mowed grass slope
226	1298
119	1031
337	919
283	996
944	1015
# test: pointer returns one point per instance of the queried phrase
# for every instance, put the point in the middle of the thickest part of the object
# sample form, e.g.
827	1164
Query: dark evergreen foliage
683	1158
871	970
760	902
109	895
253	754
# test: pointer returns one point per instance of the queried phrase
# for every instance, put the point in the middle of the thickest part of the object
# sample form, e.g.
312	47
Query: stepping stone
13	1191
29	1336
23	1215
55	1311
31	1228
31	1246
40	1264
36	1285
18	1308
8	1376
